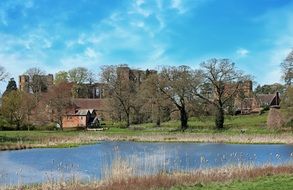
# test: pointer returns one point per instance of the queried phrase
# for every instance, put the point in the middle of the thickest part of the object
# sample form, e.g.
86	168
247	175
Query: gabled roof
89	104
265	98
82	112
269	99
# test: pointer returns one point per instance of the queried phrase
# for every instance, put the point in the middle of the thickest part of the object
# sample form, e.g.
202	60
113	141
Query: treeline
151	97
171	90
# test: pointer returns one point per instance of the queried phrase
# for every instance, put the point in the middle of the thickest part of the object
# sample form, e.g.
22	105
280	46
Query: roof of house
88	104
265	98
82	112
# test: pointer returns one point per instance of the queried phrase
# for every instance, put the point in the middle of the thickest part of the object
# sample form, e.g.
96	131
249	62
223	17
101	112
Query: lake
95	161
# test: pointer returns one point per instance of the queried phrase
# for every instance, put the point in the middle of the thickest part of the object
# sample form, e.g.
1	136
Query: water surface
94	161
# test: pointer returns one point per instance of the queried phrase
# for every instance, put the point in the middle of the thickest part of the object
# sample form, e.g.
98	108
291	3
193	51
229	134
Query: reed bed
93	137
125	174
121	179
208	138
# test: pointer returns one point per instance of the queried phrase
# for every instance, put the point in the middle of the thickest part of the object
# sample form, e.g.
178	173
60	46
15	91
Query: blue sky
61	34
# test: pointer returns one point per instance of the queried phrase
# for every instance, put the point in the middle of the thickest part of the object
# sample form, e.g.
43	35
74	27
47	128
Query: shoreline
92	138
122	179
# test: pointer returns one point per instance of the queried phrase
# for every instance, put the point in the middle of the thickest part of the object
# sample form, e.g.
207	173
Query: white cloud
281	40
90	53
139	2
177	4
241	52
138	9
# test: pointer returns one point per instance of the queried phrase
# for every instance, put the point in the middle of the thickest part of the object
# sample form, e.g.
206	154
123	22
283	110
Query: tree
178	84
287	99
11	86
287	68
37	81
61	76
15	107
3	73
151	97
91	77
79	76
287	104
225	79
121	90
59	100
270	89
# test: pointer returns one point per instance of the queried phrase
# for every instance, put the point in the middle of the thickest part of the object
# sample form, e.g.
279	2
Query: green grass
278	182
249	124
234	125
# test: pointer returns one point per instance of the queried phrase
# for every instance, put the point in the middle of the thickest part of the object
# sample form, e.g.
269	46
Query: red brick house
85	112
79	118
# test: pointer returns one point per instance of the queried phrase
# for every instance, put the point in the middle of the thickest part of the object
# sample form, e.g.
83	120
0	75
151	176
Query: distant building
133	75
256	102
27	84
78	118
85	113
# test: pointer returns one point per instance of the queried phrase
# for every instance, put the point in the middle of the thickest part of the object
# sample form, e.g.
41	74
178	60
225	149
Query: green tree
14	107
11	86
270	89
61	76
80	76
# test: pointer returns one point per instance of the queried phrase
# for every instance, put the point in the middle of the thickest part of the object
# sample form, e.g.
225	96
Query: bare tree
287	68
3	74
153	100
225	79
120	88
178	84
37	82
59	100
91	77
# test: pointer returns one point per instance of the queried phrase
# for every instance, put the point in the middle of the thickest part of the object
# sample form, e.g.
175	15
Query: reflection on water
91	162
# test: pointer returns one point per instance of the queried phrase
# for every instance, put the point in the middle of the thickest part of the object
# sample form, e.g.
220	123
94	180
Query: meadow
238	129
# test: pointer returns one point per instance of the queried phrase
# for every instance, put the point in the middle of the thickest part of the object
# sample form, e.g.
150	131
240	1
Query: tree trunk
158	116
61	123
183	119
17	125
127	120
220	118
28	122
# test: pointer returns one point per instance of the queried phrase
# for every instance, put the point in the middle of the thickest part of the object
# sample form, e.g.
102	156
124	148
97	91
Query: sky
57	35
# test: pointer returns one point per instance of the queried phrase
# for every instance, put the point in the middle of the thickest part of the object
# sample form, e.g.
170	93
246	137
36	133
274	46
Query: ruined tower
24	83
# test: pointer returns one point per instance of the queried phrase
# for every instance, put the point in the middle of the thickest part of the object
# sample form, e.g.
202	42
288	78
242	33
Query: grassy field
278	182
238	129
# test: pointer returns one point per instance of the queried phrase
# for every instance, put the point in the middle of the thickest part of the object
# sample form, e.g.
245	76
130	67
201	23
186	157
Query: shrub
275	119
49	127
